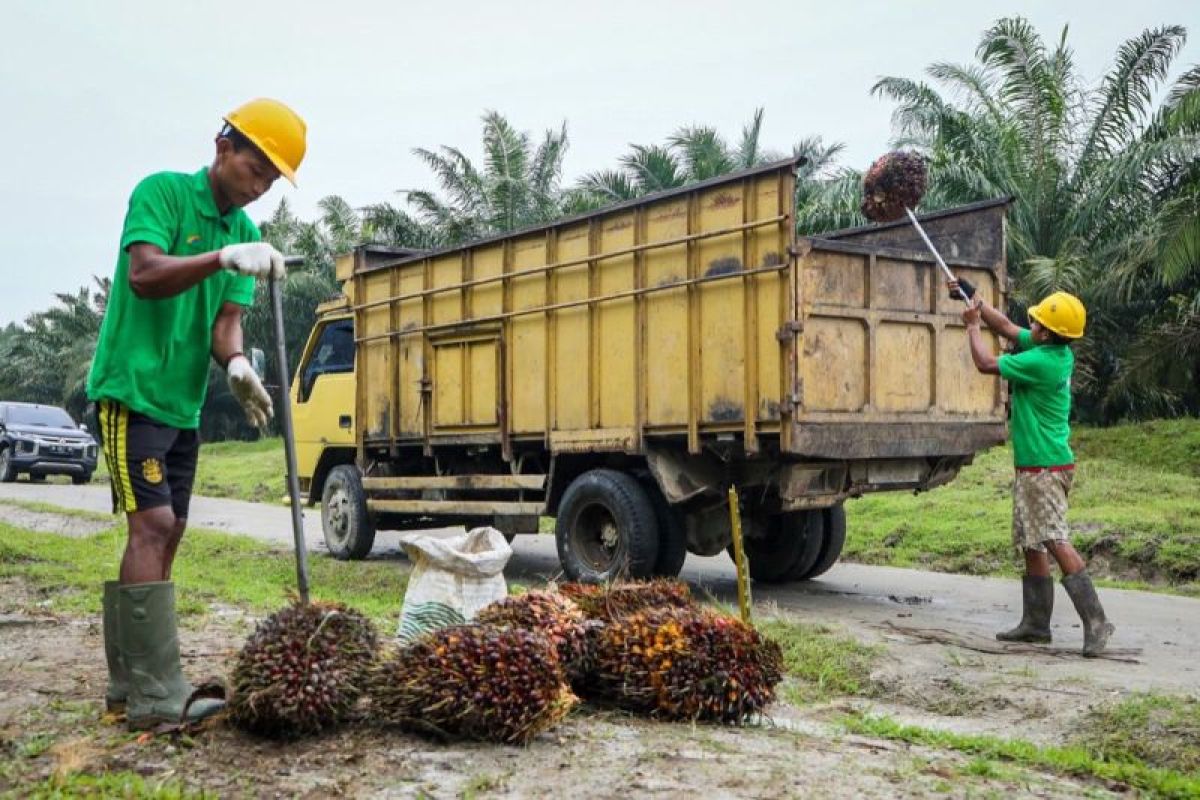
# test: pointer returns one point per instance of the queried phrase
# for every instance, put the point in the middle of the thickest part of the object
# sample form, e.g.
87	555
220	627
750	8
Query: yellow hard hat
274	129
1061	313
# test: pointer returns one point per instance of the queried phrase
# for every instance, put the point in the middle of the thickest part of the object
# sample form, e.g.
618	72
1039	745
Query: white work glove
249	391
258	259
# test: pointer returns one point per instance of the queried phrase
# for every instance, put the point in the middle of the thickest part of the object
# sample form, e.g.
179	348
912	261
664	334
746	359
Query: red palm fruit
894	182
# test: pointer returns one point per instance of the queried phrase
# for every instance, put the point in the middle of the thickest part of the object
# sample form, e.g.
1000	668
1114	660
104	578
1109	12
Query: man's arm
244	383
227	333
154	275
992	317
981	354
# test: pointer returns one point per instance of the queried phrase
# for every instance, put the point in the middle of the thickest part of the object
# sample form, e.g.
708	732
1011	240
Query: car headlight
91	451
26	446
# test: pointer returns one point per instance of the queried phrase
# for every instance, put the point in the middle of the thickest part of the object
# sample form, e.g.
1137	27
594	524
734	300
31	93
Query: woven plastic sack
453	577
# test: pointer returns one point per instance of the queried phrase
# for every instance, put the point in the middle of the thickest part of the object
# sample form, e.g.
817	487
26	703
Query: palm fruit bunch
614	601
685	664
548	613
302	670
895	181
475	682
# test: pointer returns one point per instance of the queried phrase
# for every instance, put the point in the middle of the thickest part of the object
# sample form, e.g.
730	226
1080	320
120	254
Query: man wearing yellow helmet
187	263
1039	378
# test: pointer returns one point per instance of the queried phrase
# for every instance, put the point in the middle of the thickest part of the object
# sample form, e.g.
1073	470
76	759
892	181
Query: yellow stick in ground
739	556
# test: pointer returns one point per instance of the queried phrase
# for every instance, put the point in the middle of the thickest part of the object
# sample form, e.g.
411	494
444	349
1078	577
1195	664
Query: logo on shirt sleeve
193	238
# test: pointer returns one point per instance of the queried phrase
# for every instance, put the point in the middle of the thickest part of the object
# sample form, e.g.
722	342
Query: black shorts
150	464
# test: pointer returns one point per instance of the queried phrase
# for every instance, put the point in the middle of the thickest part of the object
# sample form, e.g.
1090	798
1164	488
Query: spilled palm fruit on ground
684	664
895	181
613	601
549	613
302	670
473	682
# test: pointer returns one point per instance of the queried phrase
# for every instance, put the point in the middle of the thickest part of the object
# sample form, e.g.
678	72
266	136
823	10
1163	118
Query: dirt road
883	601
940	668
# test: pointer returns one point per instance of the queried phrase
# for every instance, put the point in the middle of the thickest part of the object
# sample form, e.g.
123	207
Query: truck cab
322	400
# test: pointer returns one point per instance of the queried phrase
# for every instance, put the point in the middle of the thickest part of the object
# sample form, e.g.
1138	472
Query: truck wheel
606	528
814	543
672	535
80	480
791	538
348	527
7	473
834	540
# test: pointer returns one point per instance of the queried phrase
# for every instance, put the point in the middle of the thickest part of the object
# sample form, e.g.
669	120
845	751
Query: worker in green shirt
187	263
1039	379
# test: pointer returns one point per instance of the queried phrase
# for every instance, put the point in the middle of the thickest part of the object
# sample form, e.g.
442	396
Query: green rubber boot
1037	594
1096	627
150	646
118	675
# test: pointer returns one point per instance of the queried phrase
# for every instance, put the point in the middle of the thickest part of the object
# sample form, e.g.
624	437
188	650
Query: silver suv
43	440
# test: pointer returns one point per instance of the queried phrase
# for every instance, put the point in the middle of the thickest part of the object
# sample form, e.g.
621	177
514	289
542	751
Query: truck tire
347	525
606	528
814	544
791	538
834	540
80	480
672	535
7	473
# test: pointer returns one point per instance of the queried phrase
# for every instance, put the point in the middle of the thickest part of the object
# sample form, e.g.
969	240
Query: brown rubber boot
1037	594
150	647
118	675
1096	627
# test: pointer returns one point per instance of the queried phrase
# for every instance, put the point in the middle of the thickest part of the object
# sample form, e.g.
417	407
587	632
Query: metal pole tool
289	439
949	275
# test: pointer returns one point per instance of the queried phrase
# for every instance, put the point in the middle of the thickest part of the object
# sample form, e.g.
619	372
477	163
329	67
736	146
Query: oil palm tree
516	184
1099	176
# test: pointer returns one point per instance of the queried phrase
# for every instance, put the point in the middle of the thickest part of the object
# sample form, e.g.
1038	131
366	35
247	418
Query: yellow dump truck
621	369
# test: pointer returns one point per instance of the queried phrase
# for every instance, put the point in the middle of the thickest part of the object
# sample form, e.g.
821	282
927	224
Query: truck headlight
26	446
90	450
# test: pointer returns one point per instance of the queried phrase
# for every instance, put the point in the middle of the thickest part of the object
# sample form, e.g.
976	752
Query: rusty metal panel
659	315
666	315
571	345
527	335
884	363
614	320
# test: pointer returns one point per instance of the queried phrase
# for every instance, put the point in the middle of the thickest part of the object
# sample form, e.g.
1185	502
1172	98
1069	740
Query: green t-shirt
1039	378
152	355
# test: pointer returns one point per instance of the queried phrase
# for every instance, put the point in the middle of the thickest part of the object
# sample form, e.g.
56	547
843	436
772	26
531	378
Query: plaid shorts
1040	507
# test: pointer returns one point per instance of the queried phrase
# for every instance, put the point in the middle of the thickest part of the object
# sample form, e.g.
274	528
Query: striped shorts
149	464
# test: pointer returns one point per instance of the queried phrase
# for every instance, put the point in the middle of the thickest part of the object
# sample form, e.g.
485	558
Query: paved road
1164	627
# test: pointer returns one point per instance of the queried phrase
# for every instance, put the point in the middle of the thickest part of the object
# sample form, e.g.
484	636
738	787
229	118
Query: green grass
1161	730
254	471
820	662
128	785
1135	511
211	567
1074	761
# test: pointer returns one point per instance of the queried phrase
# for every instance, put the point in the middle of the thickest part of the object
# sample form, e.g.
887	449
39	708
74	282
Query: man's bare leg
173	546
150	546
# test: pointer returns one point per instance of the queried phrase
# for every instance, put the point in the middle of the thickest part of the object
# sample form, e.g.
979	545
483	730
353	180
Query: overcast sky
96	95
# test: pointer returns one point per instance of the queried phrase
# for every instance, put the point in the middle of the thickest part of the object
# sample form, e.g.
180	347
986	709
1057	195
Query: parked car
43	440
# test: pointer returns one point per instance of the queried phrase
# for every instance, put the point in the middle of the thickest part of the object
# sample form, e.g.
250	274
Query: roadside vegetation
1148	778
1135	510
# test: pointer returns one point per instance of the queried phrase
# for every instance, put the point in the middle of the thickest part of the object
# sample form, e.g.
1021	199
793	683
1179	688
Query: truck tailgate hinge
789	329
